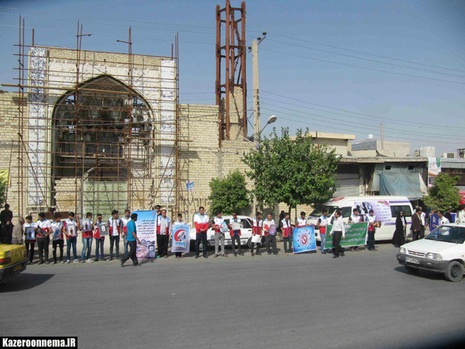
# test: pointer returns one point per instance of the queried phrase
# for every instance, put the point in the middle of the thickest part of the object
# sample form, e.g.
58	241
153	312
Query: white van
385	209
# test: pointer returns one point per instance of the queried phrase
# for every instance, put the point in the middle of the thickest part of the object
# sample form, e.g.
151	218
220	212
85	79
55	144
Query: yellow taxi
13	260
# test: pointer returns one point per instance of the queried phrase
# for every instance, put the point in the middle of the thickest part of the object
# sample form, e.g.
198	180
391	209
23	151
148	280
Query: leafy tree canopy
443	194
229	194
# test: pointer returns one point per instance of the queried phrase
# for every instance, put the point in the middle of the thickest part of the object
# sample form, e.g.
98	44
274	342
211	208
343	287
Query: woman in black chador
399	235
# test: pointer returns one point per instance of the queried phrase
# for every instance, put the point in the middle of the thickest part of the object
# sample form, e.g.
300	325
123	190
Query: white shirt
301	222
355	219
86	225
423	218
217	221
338	225
114	224
461	217
285	223
71	228
125	221
443	221
198	218
44	225
56	226
179	223
323	221
371	219
268	224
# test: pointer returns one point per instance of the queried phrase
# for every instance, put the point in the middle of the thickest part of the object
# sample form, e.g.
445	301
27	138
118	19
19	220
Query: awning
410	185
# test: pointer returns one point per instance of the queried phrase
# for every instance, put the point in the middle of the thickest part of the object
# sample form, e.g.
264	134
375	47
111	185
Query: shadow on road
24	281
421	273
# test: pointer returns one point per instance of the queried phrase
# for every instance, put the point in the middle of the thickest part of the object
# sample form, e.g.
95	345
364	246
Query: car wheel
454	271
412	270
249	243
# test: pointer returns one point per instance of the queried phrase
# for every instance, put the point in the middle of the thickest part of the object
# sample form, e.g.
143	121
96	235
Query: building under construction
97	131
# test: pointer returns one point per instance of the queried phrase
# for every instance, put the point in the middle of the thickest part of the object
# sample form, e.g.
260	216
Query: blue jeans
114	240
198	238
71	242
99	243
126	246
86	244
323	242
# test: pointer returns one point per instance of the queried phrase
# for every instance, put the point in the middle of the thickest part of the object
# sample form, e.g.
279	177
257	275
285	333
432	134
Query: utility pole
256	90
256	87
382	137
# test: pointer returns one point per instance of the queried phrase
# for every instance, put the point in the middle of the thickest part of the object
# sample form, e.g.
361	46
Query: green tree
443	194
294	171
228	194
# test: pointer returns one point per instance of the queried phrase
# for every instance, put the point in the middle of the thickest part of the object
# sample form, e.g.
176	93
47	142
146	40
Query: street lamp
271	120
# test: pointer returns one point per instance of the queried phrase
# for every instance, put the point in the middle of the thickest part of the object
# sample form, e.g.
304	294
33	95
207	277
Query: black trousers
415	235
371	240
270	240
236	239
57	244
337	249
198	238
255	245
30	249
162	243
6	233
131	253
42	244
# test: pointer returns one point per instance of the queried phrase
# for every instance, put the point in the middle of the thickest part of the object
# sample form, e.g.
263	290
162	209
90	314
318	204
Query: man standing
372	224
286	229
269	226
6	216
219	235
87	227
416	225
132	239
235	232
57	238
179	222
30	243
126	219
201	223
442	218
42	235
115	225
302	221
434	219
461	215
99	236
163	234
423	222
17	237
70	228
321	225
257	231
337	232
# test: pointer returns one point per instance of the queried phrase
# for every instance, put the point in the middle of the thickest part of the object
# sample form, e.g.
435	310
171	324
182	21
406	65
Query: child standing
57	237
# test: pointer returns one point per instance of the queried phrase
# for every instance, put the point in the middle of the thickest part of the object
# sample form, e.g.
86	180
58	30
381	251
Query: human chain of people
44	232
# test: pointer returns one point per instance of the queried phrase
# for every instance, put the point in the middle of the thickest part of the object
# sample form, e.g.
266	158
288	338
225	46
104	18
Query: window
410	168
405	208
387	168
346	212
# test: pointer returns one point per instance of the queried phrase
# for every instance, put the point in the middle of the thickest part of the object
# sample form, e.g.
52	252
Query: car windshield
454	235
318	211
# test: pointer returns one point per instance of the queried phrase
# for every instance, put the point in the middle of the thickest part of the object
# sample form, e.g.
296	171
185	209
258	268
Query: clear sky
331	66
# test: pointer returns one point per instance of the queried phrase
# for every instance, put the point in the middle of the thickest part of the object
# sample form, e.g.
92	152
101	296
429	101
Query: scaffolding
97	131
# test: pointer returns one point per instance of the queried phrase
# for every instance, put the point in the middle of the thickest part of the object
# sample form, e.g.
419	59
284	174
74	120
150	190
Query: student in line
30	242
179	221
115	225
202	223
321	226
235	234
269	226
70	229
302	220
57	236
337	232
372	225
257	230
163	234
286	229
42	236
87	226
126	219
101	230
219	235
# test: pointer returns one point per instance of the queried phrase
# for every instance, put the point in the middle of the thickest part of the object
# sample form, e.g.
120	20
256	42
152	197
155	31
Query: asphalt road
363	300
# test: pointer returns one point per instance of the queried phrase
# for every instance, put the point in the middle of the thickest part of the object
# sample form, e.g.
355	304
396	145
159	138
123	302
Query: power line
356	113
367	59
360	67
368	54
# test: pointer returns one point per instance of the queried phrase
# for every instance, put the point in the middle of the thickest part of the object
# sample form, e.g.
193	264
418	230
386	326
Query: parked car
13	260
442	251
385	209
246	233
